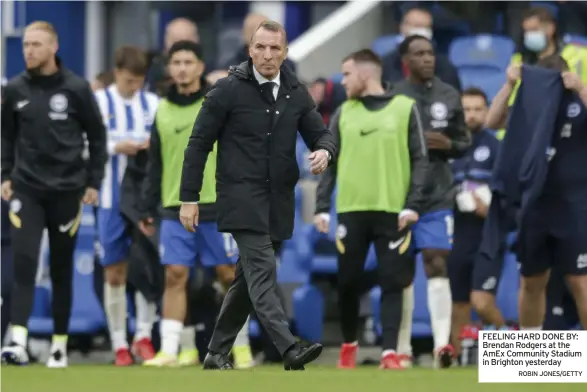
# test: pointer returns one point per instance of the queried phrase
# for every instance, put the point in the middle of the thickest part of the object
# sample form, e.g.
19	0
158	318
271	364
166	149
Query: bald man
179	29
250	25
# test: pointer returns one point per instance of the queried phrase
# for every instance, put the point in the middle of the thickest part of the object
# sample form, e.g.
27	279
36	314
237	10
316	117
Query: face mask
535	40
423	31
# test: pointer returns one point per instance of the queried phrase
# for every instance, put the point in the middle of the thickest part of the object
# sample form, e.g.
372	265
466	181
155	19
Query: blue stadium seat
507	292
308	311
336	78
385	44
578	40
482	52
487	80
421	327
421	319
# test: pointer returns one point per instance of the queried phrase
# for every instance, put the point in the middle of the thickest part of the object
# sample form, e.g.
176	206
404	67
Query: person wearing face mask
471	176
418	21
540	39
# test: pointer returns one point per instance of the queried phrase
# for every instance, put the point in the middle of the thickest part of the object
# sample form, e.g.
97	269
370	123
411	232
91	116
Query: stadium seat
507	292
482	52
385	44
421	327
487	80
336	78
254	329
308	312
578	40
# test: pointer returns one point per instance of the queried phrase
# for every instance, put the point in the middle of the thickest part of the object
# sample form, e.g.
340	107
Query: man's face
128	83
475	110
533	24
38	47
416	21
185	67
420	59
353	80
268	51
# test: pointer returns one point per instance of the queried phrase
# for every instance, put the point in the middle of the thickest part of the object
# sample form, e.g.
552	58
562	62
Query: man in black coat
255	114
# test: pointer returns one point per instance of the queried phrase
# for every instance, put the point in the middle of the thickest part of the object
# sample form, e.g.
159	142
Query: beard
37	69
474	128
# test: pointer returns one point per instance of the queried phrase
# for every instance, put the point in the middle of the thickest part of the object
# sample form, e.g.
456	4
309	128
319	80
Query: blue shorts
115	232
177	246
434	230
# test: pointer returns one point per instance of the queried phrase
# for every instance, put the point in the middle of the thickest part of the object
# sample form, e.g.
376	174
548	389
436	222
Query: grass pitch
106	378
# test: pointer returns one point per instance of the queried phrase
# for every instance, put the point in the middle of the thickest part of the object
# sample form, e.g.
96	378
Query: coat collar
244	71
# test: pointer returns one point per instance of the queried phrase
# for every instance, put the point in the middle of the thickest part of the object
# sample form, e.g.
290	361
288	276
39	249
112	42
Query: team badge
573	110
481	153
438	111
58	103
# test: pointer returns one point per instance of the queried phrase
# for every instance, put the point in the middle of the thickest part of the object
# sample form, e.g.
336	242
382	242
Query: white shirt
124	119
261	79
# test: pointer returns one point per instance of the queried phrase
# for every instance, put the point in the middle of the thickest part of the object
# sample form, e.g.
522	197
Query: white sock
59	343
19	335
146	313
404	342
440	308
170	331
187	338
242	338
531	328
115	306
386	353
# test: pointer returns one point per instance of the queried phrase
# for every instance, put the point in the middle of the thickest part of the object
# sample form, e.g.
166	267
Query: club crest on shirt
481	153
58	104
573	110
15	206
438	111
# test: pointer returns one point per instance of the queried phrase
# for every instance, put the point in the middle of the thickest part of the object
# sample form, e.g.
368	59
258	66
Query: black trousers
29	215
354	235
254	287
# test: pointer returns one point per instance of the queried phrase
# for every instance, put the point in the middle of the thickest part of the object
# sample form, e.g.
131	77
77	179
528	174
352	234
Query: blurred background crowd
474	42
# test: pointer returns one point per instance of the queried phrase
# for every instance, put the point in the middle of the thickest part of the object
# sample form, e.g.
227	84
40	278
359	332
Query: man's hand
437	141
513	74
128	147
91	196
321	222
7	190
189	214
480	207
406	218
146	226
318	161
572	81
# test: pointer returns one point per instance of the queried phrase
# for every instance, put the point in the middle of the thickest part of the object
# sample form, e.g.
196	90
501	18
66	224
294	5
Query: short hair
476	92
43	26
364	56
186	45
132	59
106	78
554	61
273	26
544	15
404	47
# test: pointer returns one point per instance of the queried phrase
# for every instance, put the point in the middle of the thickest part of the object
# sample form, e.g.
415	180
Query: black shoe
296	357
214	361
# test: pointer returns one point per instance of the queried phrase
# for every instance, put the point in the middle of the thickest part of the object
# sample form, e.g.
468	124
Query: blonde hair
42	26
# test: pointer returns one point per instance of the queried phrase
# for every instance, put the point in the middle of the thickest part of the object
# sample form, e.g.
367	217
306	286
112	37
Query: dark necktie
267	91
